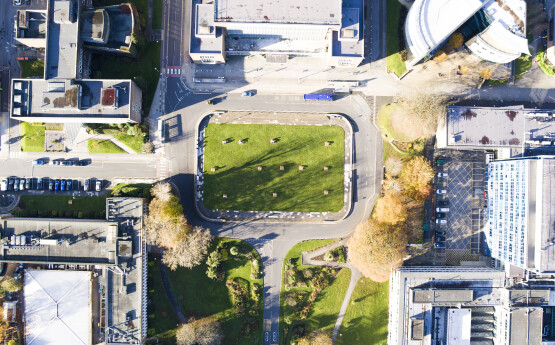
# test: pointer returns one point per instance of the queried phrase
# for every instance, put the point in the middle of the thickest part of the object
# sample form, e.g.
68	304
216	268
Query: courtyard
288	168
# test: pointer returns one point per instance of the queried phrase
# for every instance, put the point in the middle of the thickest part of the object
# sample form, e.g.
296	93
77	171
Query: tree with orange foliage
390	209
416	176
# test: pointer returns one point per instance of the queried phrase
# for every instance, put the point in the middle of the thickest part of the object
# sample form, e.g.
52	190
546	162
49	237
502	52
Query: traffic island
274	167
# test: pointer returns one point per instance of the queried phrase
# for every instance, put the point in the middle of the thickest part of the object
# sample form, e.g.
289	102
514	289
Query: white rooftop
458	326
279	11
57	307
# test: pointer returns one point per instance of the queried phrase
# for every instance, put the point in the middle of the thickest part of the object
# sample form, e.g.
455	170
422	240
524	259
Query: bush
329	256
234	251
307	273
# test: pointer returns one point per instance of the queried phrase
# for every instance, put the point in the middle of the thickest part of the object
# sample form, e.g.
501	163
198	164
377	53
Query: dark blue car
40	184
57	185
63	185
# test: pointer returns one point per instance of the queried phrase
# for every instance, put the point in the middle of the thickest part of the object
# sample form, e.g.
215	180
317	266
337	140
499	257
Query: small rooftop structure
458	326
57	307
96	26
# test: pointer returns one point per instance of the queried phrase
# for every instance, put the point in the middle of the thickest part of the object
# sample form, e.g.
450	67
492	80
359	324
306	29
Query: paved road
273	240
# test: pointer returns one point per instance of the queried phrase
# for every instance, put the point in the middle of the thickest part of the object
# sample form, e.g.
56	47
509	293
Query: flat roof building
332	29
520	228
65	95
494	30
464	305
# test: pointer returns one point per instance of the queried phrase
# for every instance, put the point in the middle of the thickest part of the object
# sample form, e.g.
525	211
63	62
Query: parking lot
47	184
464	182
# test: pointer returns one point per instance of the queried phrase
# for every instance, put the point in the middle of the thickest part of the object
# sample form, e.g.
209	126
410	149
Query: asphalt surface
273	240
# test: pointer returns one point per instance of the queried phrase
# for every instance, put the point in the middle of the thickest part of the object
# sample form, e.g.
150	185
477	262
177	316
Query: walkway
169	292
355	276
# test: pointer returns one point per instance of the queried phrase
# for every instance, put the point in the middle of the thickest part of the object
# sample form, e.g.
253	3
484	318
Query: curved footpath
273	240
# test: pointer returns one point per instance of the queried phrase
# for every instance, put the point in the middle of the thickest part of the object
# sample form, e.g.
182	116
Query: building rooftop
322	12
207	37
545	211
31	24
62	51
348	41
58	241
458	326
95	26
526	326
481	127
86	98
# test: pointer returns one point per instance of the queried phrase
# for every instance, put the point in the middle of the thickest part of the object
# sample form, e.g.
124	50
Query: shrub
80	215
329	256
234	251
307	273
239	291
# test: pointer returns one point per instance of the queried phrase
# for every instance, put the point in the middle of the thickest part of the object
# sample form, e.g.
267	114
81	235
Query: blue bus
318	97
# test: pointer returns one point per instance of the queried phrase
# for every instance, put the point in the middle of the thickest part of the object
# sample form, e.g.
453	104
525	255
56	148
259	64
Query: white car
86	185
4	185
442	209
442	174
98	185
441	221
246	94
441	191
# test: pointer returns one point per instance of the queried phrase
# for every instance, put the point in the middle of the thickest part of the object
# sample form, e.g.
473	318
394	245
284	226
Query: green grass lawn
395	63
141	69
385	124
325	309
32	68
365	320
32	137
44	205
134	142
157	14
162	319
249	189
522	65
139	190
200	296
544	64
103	146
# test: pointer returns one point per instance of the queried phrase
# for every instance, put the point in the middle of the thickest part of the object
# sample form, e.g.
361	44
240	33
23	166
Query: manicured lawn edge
395	63
57	206
103	146
32	137
134	142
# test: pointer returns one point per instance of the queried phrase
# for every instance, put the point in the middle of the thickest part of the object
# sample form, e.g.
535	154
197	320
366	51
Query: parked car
82	163
17	2
69	185
57	185
4	185
54	162
67	163
442	209
442	174
51	185
441	221
441	191
63	185
28	184
440	215
439	245
10	183
38	162
98	185
86	185
440	233
247	94
440	239
441	161
27	2
16	185
40	184
22	184
443	203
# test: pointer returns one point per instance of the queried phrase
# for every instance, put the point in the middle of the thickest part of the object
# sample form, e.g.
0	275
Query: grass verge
200	296
139	190
32	137
32	68
544	64
394	61
365	320
162	319
157	14
522	65
323	312
134	142
250	173
103	146
62	206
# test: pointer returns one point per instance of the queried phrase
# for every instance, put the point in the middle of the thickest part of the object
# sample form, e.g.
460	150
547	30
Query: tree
393	166
376	249
148	147
189	252
456	40
163	230
486	74
206	331
11	285
14	342
317	337
390	209
425	107
415	177
440	56
162	191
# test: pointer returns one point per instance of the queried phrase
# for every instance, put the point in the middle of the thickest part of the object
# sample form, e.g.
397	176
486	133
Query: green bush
329	256
234	251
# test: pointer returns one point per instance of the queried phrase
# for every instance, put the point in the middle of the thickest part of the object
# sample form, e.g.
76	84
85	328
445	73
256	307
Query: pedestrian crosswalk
15	154
173	71
162	169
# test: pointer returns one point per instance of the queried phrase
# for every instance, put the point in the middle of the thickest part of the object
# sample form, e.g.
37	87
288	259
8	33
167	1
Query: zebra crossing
162	171
173	71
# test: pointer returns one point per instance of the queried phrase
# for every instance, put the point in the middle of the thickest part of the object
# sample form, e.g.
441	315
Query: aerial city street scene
292	172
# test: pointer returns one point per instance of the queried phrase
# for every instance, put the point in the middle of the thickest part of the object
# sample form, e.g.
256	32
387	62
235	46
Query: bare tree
390	209
427	108
190	252
377	248
416	176
393	166
205	331
148	147
164	230
162	191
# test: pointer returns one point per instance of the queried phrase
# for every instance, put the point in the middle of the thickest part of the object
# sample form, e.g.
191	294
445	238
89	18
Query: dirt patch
511	114
407	128
415	221
484	140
